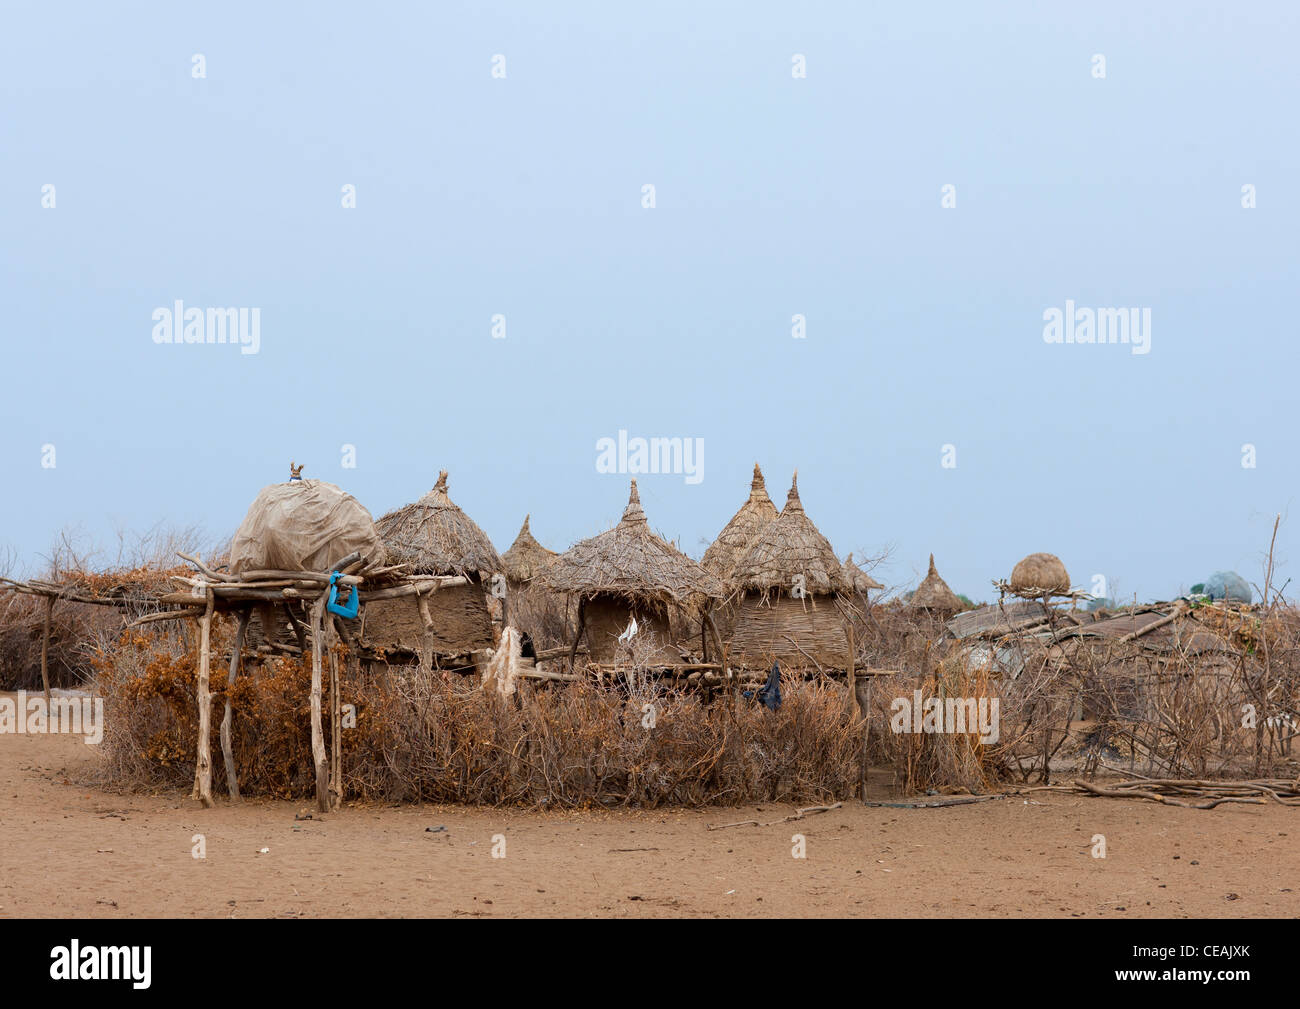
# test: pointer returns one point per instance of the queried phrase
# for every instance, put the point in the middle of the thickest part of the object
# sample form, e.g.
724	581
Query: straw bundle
790	546
526	557
435	537
632	562
933	593
739	534
1039	575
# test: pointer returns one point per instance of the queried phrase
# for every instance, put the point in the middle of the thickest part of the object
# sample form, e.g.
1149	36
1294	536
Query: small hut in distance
934	595
859	581
526	558
434	536
630	573
790	579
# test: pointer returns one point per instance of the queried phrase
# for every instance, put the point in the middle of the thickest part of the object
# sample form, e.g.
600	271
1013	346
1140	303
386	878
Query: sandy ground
66	851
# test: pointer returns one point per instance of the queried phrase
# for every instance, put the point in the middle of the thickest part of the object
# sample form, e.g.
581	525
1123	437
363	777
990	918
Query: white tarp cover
303	525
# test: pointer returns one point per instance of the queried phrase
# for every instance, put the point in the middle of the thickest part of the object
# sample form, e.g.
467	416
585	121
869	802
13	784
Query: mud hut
788	583
526	557
630	573
934	595
435	537
739	534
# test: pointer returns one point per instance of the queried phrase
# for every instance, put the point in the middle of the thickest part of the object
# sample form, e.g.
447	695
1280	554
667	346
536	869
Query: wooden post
317	736
862	691
851	667
336	726
227	720
45	650
582	624
203	759
426	642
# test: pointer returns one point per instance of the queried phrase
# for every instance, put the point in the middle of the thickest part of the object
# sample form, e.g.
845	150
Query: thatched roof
1040	575
788	546
631	561
858	579
526	557
933	593
435	537
738	535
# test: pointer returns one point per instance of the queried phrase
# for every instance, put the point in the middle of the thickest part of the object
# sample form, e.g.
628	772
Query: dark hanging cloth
770	694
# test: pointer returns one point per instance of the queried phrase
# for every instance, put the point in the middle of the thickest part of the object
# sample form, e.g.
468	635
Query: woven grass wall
763	628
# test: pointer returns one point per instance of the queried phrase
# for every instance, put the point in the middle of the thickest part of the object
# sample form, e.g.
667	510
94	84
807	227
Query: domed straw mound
1040	575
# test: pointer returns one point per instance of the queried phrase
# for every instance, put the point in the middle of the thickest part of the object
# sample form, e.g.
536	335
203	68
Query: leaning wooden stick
203	760
227	720
45	650
319	758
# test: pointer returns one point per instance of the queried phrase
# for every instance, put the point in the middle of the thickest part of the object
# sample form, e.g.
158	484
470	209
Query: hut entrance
606	617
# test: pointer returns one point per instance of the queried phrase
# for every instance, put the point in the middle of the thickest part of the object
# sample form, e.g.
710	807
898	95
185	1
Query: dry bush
437	737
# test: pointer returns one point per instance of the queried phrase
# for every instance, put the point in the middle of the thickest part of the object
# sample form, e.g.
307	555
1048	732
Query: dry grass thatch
933	593
858	579
435	537
631	561
526	557
790	546
739	534
1040	574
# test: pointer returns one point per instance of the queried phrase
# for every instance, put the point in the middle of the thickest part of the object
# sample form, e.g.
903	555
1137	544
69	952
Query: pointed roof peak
792	501
634	513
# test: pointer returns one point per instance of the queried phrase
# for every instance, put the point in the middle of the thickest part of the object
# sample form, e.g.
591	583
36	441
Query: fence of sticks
209	591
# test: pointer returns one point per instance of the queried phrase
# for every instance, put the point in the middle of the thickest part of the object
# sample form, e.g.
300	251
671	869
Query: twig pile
1178	791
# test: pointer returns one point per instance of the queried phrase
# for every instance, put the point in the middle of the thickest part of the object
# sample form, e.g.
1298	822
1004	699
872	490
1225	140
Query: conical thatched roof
933	593
788	546
738	535
526	557
435	537
858	579
1040	574
631	561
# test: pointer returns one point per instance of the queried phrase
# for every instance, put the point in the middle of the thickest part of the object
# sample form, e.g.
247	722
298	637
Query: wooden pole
851	667
317	736
45	650
227	720
336	725
582	624
862	691
203	760
426	641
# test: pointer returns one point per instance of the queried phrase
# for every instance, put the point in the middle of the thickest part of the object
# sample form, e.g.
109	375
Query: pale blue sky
775	196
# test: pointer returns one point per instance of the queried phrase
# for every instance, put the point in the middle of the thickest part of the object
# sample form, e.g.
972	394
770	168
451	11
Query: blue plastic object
1227	585
347	608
